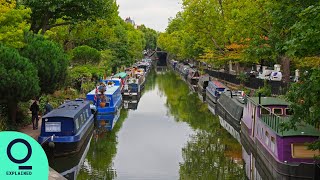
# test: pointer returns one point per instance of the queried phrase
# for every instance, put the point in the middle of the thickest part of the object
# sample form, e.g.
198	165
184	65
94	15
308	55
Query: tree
150	37
45	12
86	54
305	99
50	60
19	80
13	23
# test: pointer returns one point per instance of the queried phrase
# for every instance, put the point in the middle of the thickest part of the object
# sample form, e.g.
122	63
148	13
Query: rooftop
68	109
268	101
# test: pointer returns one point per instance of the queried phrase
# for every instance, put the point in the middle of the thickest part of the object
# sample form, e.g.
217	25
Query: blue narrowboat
213	91
108	103
66	129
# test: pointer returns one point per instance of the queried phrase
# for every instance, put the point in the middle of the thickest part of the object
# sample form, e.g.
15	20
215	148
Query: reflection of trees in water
211	153
206	157
150	82
98	164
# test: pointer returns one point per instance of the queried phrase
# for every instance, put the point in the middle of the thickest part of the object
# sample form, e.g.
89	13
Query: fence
277	87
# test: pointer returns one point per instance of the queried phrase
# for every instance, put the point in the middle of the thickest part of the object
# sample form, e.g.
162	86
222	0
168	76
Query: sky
152	13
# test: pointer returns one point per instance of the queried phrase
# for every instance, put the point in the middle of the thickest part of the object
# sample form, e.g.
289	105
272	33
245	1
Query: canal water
171	135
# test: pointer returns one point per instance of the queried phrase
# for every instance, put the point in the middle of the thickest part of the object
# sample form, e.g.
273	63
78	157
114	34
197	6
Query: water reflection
211	153
171	135
98	163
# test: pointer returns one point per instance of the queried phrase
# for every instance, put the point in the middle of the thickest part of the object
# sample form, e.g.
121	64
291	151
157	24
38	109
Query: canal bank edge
53	175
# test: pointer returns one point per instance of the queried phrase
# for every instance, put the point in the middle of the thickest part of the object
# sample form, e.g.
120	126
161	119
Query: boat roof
268	101
232	105
69	109
218	84
121	74
109	91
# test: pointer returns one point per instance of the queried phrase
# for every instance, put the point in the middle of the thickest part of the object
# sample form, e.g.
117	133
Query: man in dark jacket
34	108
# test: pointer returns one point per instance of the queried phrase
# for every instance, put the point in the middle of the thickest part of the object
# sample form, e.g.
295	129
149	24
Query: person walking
34	108
47	108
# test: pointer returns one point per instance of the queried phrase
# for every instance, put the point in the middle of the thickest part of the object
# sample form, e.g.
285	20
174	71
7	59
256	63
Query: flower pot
102	104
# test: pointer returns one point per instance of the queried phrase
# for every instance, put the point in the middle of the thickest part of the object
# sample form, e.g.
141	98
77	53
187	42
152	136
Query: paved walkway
53	175
29	130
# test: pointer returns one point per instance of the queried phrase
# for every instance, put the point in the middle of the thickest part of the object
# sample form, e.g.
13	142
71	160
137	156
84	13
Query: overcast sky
152	13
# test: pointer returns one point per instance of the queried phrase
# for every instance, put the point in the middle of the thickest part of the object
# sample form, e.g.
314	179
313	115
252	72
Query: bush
86	54
50	60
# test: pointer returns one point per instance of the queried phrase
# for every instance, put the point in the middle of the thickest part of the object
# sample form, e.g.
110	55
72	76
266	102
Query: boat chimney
259	98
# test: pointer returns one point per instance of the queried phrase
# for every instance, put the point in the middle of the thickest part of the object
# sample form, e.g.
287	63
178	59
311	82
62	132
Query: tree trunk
12	108
285	63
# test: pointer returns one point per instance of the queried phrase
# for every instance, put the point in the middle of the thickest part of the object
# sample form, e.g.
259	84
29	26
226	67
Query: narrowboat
213	91
107	99
145	66
193	78
134	84
65	130
229	109
202	85
273	153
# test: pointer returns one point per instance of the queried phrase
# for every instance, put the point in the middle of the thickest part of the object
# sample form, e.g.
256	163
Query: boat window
84	116
289	112
273	144
277	111
81	119
267	138
264	110
77	123
302	151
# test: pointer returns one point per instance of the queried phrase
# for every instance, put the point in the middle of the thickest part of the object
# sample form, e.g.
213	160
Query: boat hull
270	168
68	147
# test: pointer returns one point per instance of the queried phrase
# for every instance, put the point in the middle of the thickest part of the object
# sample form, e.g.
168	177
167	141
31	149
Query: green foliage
45	13
50	60
86	54
265	90
19	80
150	37
305	96
305	34
13	23
243	78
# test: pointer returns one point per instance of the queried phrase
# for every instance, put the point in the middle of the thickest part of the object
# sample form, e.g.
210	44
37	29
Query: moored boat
213	91
107	99
282	154
193	78
229	108
65	130
202	85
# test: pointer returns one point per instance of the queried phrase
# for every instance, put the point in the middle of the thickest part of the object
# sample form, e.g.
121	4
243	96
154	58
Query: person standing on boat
47	108
34	108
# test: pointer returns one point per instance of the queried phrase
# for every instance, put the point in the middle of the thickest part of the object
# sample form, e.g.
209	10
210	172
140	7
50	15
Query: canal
171	135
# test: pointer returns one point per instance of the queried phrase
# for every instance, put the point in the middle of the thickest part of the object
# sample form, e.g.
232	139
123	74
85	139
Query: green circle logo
21	157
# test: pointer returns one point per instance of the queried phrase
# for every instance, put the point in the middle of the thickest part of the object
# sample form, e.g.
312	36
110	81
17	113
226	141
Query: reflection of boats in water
69	166
202	85
65	130
130	104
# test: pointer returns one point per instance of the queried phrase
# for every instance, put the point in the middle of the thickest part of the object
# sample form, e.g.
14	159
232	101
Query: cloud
152	13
